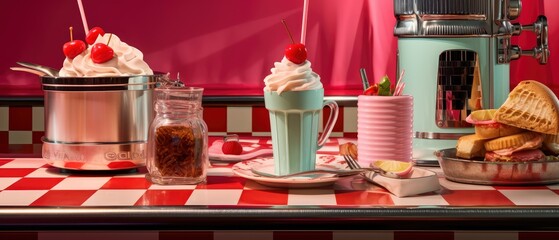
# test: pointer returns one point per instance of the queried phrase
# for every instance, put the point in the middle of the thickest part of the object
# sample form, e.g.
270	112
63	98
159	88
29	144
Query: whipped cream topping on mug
126	61
288	76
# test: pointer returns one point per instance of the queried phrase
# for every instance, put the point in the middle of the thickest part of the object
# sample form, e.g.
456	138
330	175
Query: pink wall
229	46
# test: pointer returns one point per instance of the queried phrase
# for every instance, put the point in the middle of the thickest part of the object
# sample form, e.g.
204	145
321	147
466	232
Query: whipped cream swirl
288	76
126	61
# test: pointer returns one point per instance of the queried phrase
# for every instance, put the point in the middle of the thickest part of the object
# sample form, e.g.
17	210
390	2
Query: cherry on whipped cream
93	34
73	48
101	53
296	53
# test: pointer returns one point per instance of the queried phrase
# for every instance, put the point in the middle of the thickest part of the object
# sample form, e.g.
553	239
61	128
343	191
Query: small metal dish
481	172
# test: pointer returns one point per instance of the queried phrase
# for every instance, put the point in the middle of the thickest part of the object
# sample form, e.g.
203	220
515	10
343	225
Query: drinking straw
84	20
400	77
304	24
399	88
364	78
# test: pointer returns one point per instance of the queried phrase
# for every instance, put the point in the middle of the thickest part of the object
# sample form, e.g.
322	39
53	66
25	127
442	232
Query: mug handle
331	121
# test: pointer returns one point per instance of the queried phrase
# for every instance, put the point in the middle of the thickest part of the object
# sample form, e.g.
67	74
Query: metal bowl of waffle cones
477	171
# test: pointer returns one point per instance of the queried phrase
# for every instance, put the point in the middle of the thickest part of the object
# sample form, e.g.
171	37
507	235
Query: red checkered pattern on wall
25	124
21	124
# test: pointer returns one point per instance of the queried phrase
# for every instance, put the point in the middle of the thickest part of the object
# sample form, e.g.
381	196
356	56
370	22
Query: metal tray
478	171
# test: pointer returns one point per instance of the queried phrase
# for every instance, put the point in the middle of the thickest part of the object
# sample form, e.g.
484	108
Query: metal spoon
29	70
43	69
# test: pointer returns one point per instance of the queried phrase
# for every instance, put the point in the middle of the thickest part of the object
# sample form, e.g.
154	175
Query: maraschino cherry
294	52
232	148
231	145
73	48
101	52
93	34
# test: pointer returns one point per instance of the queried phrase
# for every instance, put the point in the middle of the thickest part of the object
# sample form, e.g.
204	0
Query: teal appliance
456	55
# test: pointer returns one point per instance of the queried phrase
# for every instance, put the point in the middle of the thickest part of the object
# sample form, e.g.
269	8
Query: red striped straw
399	88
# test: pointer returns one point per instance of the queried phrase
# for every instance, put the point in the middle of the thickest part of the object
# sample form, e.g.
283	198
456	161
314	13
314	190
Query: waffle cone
530	106
512	141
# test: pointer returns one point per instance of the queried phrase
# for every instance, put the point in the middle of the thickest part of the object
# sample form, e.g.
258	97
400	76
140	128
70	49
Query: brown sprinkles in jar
175	152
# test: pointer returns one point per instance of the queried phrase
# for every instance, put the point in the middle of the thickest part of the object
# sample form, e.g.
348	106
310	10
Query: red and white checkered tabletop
30	182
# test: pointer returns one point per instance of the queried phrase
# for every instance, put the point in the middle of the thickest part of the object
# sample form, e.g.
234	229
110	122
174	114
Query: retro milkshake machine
456	55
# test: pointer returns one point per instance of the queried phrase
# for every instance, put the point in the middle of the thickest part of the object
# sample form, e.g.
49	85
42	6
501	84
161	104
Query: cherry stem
71	35
108	41
287	29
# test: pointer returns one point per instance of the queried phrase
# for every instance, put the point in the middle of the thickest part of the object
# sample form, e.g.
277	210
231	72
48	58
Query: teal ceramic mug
294	120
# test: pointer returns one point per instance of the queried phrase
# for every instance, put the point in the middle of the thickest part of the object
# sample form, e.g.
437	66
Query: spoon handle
44	69
29	70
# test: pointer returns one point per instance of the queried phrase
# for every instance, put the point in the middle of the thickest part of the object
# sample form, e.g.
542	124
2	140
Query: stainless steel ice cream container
97	123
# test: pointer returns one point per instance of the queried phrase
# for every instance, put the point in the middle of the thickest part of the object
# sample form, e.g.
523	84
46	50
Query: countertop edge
292	217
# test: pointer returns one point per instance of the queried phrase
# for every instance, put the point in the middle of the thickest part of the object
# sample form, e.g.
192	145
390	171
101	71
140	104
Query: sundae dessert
98	123
294	97
106	55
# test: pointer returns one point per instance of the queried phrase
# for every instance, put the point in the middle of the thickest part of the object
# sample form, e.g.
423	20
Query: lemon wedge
397	167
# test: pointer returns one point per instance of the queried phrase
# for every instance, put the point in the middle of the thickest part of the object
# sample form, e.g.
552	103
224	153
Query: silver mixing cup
97	123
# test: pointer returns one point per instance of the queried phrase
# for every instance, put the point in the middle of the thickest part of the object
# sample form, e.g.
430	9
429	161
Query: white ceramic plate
250	151
243	169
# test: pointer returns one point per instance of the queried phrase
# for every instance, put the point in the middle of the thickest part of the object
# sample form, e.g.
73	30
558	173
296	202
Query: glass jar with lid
178	137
